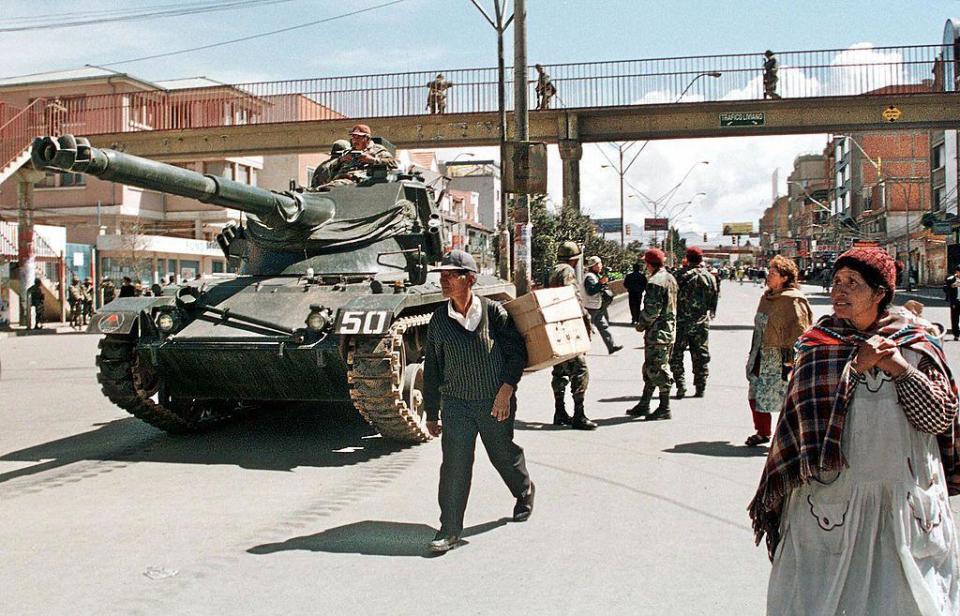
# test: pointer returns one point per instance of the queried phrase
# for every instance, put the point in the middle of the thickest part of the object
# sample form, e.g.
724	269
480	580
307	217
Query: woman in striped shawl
853	497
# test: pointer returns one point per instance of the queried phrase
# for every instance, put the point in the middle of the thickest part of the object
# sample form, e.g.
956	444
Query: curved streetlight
622	148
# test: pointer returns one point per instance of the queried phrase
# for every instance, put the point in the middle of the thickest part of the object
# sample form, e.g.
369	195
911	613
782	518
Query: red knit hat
655	257
877	260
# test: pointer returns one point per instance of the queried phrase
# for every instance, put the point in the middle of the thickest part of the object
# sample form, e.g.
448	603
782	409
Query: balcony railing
19	129
857	71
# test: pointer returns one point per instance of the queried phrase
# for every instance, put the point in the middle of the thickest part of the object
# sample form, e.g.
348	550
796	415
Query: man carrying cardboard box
574	370
474	358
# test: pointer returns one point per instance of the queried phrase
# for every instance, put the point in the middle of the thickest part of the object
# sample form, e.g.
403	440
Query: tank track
124	384
375	367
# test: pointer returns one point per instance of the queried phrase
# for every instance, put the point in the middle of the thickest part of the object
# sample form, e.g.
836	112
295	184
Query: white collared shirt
471	320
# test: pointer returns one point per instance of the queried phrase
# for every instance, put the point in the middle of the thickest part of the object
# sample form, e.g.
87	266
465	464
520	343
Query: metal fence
857	71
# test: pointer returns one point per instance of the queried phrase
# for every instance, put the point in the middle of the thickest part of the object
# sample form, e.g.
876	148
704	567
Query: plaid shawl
807	441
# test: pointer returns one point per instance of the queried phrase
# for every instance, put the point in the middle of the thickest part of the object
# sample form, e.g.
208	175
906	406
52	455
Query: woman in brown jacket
783	314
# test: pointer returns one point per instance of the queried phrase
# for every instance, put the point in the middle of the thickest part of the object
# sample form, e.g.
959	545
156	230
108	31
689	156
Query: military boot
663	410
681	390
698	392
642	408
560	416
580	421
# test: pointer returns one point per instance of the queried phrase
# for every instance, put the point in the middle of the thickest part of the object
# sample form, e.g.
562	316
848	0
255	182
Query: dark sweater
471	365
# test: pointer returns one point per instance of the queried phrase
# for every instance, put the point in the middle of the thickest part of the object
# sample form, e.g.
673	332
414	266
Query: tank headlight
318	319
166	322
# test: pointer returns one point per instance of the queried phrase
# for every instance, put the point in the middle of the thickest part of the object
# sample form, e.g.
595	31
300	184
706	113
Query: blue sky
446	34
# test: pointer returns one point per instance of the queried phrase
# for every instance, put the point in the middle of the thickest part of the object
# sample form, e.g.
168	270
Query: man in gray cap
474	358
597	298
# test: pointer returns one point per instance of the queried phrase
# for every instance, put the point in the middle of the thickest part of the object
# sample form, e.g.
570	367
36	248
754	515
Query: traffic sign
750	118
655	224
942	228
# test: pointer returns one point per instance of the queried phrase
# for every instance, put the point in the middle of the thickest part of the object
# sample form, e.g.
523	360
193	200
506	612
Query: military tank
330	304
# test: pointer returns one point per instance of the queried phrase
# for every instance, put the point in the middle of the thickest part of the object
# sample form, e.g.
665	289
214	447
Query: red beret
654	256
876	259
694	253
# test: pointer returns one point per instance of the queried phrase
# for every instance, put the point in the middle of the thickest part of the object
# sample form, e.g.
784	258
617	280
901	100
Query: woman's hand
870	353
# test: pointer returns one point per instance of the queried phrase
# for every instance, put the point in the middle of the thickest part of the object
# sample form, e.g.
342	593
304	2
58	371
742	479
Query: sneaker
444	542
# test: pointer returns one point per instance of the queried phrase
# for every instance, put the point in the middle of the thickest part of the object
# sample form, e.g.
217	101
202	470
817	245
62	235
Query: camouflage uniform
347	169
574	370
696	303
75	298
658	320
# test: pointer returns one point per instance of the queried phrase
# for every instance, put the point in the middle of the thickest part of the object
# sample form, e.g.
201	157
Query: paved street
298	511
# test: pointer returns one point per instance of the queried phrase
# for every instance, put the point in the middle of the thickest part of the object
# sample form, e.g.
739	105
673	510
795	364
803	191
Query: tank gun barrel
75	155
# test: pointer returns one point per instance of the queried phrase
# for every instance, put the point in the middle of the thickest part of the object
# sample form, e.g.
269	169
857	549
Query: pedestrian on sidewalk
75	298
574	370
597	298
635	282
474	358
853	497
35	301
951	288
782	315
659	321
696	305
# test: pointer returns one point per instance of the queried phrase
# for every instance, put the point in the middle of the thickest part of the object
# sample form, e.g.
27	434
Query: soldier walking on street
659	320
696	304
545	88
573	370
437	96
770	69
88	293
109	290
597	299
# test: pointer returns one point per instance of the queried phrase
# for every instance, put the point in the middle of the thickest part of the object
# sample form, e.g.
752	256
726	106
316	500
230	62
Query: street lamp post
624	147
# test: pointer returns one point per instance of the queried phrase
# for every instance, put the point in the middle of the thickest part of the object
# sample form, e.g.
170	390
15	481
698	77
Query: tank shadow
722	449
278	440
373	538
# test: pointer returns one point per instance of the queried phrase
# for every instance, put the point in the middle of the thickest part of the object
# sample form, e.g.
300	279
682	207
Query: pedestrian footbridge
862	88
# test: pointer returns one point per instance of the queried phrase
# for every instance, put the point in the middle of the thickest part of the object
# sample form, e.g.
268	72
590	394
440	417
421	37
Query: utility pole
26	246
521	211
500	23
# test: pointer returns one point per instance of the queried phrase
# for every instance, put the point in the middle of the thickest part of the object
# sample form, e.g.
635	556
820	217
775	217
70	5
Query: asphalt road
302	511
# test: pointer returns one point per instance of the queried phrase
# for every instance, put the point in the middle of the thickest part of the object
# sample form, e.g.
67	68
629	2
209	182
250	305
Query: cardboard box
551	322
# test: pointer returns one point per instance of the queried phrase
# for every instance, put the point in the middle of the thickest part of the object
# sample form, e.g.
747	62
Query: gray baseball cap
457	260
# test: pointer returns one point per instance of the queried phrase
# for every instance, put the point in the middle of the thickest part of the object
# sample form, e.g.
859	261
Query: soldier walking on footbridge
770	78
437	96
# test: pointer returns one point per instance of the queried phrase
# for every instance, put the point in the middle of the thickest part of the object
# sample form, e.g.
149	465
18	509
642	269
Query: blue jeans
463	420
600	320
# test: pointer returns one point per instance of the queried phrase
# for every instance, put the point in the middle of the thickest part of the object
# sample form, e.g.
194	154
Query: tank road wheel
136	388
386	377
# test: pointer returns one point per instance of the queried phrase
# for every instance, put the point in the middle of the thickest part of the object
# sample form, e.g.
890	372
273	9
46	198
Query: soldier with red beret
350	165
658	319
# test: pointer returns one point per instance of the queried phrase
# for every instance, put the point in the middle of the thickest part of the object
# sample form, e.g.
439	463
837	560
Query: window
217	267
243	174
49	181
72	179
938	203
939	153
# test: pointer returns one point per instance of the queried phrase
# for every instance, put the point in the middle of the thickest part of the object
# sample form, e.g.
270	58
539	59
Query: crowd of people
853	498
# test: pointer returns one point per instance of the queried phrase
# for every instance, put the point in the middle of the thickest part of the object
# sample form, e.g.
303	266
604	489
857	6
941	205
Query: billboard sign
737	228
655	224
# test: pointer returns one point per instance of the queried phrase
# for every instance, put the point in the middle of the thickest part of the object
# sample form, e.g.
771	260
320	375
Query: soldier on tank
350	167
437	95
574	370
658	319
326	171
770	78
696	305
545	88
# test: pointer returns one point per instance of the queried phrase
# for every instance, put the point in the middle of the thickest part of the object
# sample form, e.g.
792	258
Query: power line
220	44
52	18
177	12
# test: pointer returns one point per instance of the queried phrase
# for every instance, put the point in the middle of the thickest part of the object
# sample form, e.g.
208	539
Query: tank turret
275	209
